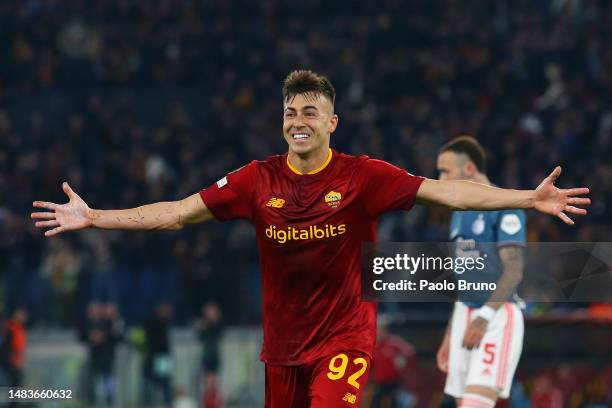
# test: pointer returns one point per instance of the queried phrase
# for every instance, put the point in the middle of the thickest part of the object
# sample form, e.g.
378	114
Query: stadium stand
137	101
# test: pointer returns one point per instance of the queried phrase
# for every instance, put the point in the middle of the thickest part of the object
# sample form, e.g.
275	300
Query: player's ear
470	168
333	123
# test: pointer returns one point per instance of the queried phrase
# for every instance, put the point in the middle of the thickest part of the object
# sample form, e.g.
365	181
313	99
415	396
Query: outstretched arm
467	195
76	215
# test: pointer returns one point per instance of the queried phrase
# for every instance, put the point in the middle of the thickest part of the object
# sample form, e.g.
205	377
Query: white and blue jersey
499	228
493	363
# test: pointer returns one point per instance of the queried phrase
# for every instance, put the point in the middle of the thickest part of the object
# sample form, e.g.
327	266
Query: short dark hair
470	147
308	82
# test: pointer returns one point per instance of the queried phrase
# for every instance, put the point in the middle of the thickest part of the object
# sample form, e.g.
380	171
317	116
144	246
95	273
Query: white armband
486	312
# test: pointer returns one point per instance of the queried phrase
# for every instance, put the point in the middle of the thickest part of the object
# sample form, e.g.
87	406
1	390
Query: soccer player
394	360
484	338
311	209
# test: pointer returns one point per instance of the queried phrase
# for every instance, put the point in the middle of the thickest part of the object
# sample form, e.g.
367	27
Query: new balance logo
350	398
275	202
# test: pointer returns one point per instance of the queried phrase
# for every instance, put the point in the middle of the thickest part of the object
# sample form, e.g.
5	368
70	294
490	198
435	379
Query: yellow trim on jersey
315	171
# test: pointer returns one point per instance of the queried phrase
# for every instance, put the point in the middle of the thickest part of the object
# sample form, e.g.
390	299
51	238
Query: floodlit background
135	101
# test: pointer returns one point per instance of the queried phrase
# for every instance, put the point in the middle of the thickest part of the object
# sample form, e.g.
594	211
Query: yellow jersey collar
315	171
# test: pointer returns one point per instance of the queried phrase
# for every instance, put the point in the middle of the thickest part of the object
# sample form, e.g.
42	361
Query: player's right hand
74	215
442	355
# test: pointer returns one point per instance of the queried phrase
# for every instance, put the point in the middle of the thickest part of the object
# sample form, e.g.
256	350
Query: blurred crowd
135	101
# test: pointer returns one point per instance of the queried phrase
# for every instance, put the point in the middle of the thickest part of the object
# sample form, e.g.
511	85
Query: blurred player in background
158	362
484	338
394	360
13	341
101	334
210	328
311	209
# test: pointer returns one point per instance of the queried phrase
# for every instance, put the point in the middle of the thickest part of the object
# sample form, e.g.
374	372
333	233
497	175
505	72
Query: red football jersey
309	230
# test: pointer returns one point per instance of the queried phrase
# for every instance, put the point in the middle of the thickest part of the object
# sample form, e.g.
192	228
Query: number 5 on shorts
338	365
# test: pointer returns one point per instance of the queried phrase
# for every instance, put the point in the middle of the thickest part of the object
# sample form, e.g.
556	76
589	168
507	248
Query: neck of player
481	178
309	162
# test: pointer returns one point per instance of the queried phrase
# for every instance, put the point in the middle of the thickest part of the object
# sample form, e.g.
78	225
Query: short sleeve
511	227
385	187
230	197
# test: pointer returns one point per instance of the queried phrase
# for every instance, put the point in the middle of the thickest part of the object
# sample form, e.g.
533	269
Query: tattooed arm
76	215
512	258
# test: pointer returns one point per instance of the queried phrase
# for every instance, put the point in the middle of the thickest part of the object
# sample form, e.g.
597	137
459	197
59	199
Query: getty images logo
283	235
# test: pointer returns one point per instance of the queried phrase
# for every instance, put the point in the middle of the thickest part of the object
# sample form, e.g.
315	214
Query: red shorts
335	381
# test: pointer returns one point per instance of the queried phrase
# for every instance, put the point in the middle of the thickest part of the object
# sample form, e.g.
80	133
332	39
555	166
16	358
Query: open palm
556	201
74	215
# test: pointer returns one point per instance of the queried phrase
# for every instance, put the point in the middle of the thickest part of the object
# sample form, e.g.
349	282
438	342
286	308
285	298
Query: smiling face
308	121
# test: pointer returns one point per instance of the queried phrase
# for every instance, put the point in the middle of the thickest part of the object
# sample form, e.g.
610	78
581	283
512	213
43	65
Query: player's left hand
557	201
474	333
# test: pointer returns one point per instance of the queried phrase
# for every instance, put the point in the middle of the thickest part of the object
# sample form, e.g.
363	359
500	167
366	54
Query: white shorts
494	362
